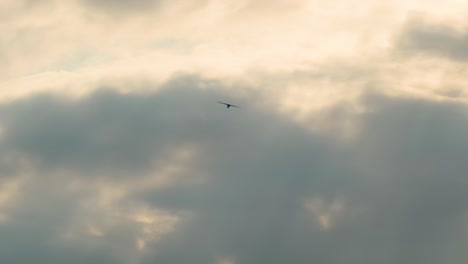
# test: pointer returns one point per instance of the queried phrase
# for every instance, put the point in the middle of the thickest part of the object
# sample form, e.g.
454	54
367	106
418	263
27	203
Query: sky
350	145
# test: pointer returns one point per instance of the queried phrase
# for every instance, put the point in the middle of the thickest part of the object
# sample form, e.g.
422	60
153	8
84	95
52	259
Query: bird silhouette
228	105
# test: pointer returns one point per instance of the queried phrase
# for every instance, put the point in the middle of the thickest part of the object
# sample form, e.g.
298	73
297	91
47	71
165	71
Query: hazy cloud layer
123	5
443	40
271	191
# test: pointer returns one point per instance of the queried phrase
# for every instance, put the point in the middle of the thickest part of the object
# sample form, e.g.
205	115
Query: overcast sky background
351	145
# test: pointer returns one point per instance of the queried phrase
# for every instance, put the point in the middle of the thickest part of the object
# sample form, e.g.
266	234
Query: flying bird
228	105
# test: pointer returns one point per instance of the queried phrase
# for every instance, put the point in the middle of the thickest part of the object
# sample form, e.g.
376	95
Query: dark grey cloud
406	172
109	132
421	37
416	150
122	6
38	221
402	180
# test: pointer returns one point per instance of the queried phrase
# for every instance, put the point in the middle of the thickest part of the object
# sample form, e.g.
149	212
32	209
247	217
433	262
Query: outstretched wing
228	105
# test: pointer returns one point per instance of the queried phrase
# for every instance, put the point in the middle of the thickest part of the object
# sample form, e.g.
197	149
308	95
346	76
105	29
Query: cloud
106	130
402	182
121	159
270	190
122	5
434	39
71	43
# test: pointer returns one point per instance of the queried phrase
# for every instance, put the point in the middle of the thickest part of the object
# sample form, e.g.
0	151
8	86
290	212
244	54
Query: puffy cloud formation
170	176
434	39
